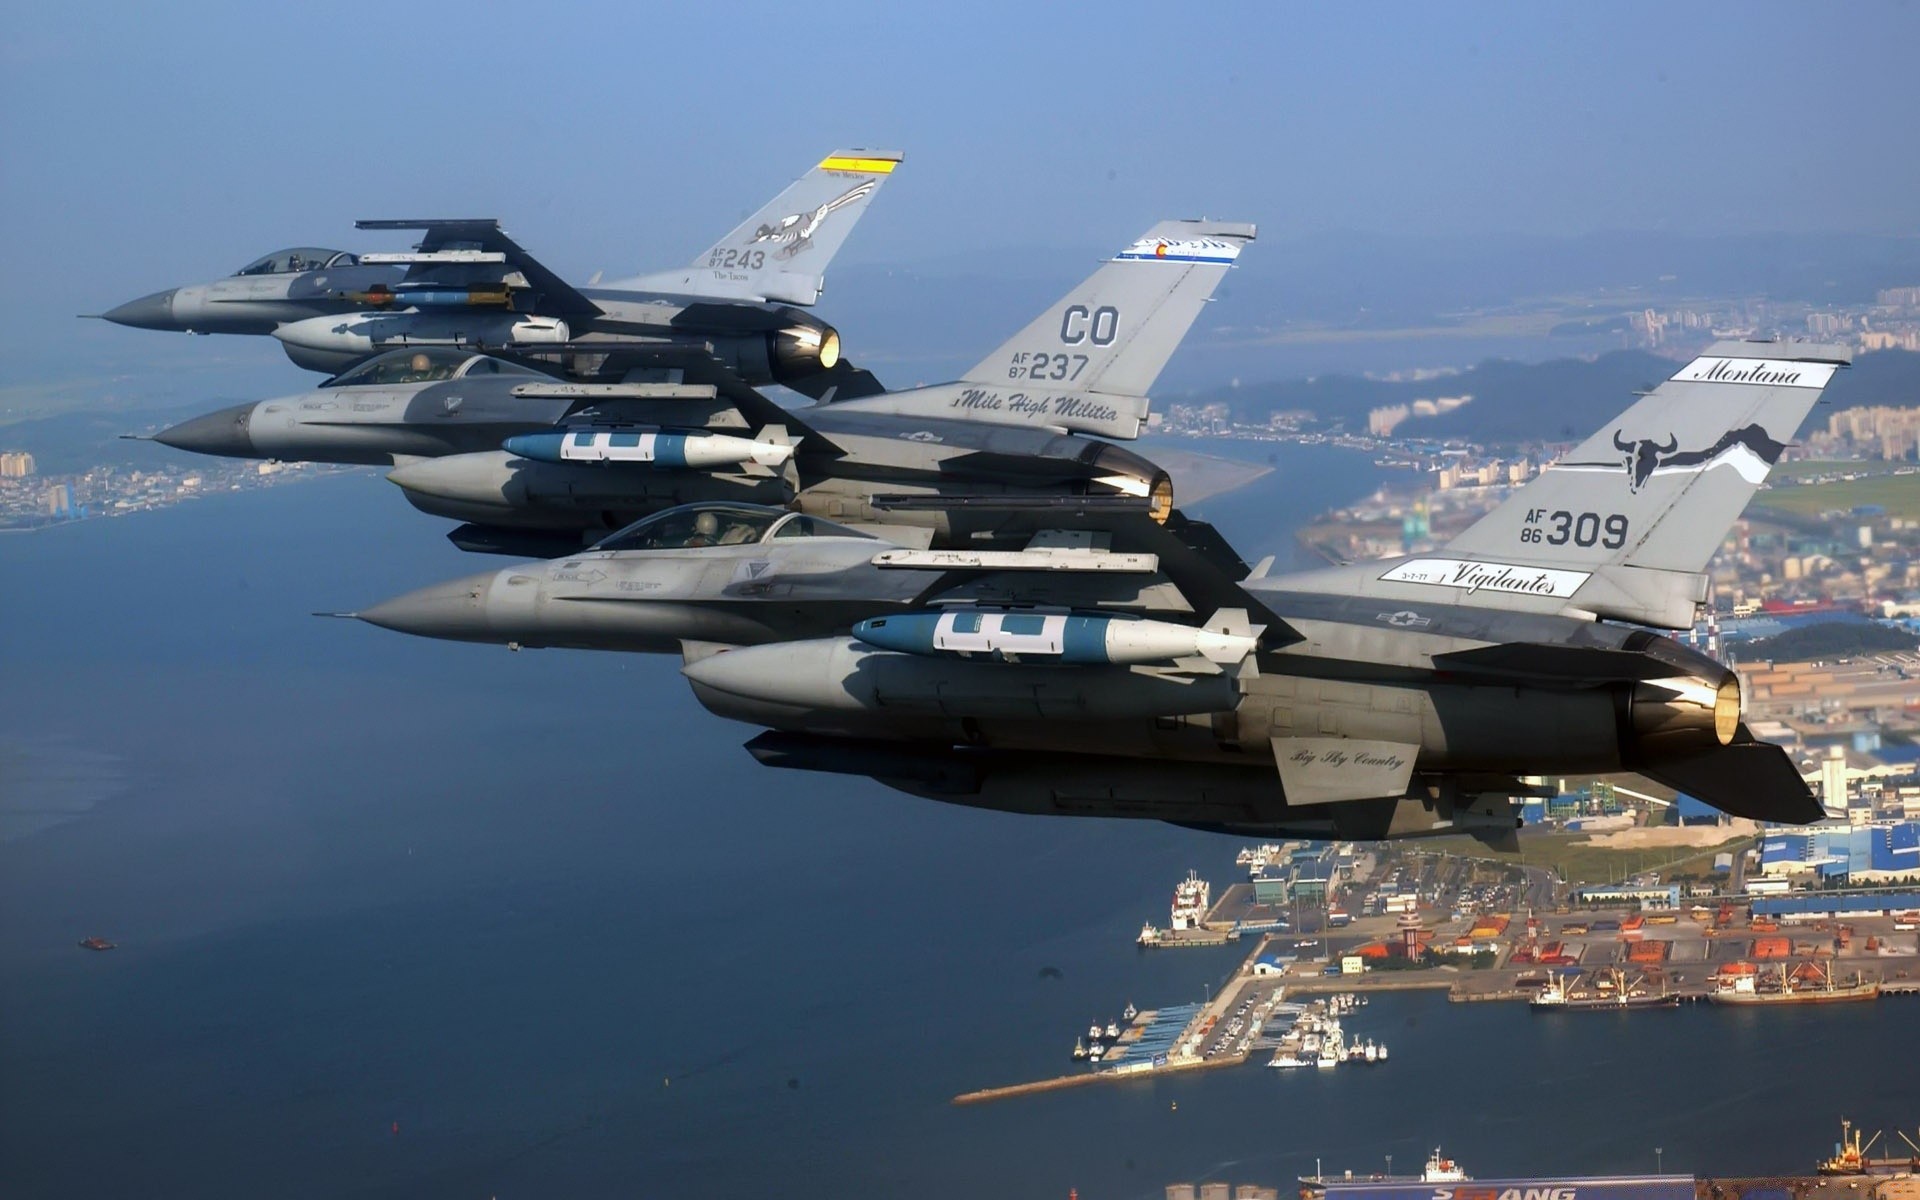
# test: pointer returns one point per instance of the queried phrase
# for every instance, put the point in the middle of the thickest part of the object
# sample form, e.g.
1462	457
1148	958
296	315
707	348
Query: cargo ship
1809	983
1444	1179
97	943
1610	991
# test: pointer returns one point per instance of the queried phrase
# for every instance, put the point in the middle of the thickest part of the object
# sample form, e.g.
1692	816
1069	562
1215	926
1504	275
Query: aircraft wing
639	361
1190	554
480	245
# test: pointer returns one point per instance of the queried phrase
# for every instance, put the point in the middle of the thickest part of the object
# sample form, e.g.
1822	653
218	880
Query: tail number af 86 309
1582	529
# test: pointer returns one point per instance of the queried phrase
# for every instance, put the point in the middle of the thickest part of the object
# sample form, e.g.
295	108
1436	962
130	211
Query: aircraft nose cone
223	433
455	610
148	312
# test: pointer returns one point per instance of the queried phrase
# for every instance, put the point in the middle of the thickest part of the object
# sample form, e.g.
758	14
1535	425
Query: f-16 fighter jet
1116	667
467	284
1010	425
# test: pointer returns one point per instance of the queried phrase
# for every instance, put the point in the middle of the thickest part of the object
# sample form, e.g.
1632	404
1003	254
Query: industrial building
1842	851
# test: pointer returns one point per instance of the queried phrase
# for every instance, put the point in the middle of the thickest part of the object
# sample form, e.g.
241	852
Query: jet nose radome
148	312
456	610
223	433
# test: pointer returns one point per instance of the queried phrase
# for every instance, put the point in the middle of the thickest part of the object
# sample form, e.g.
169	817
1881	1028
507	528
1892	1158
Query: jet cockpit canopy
426	364
299	258
718	523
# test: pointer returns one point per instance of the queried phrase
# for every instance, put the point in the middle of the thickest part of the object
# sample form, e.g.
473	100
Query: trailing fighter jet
1119	667
467	284
1010	426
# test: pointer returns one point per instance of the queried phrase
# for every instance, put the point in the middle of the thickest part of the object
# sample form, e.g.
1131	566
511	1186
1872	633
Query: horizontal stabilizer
1583	664
843	382
1748	778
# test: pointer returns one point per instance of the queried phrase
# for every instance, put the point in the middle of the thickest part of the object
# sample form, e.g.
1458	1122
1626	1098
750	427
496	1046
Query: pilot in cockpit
706	530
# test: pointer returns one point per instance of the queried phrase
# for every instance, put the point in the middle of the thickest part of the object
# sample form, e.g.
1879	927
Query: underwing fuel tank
838	682
1080	638
498	488
663	448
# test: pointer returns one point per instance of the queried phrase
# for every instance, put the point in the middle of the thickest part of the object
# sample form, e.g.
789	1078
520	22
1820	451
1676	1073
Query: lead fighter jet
467	284
1118	667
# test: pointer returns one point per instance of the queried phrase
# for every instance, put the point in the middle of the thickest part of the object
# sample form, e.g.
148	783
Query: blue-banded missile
663	449
486	295
1053	637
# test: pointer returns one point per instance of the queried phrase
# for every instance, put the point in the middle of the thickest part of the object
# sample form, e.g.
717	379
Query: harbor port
1616	957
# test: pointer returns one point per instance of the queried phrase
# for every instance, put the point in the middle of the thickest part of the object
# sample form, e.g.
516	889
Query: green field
1578	861
1898	494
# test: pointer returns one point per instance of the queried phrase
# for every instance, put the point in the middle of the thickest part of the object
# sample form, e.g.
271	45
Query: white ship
1442	1170
1284	1057
1191	899
1113	1030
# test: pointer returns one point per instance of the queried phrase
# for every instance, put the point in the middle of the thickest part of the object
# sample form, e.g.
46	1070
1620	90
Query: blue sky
159	144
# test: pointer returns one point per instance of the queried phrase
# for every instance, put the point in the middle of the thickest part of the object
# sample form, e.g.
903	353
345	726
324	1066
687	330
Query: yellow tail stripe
870	166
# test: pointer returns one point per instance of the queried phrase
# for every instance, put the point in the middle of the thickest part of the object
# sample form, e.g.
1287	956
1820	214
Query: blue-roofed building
1895	849
1837	850
1781	851
1819	906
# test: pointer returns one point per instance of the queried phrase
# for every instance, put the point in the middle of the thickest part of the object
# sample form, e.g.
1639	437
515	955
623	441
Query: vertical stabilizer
781	252
1659	487
1114	333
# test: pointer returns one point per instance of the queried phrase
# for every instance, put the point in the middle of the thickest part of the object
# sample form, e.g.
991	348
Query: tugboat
97	943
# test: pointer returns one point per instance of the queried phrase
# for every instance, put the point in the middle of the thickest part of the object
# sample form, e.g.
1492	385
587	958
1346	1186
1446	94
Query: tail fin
1115	332
1659	487
781	252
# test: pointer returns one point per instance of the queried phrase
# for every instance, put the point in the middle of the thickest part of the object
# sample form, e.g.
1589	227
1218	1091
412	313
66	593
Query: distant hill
1561	400
1831	639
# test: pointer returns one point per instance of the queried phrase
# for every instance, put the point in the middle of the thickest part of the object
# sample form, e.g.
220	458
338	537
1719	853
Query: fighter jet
1013	424
1122	668
467	284
736	574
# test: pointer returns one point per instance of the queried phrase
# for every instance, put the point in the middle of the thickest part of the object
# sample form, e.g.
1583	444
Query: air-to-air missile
468	285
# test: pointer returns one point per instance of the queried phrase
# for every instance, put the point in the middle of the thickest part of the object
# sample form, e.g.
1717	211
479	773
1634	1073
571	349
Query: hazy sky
158	144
